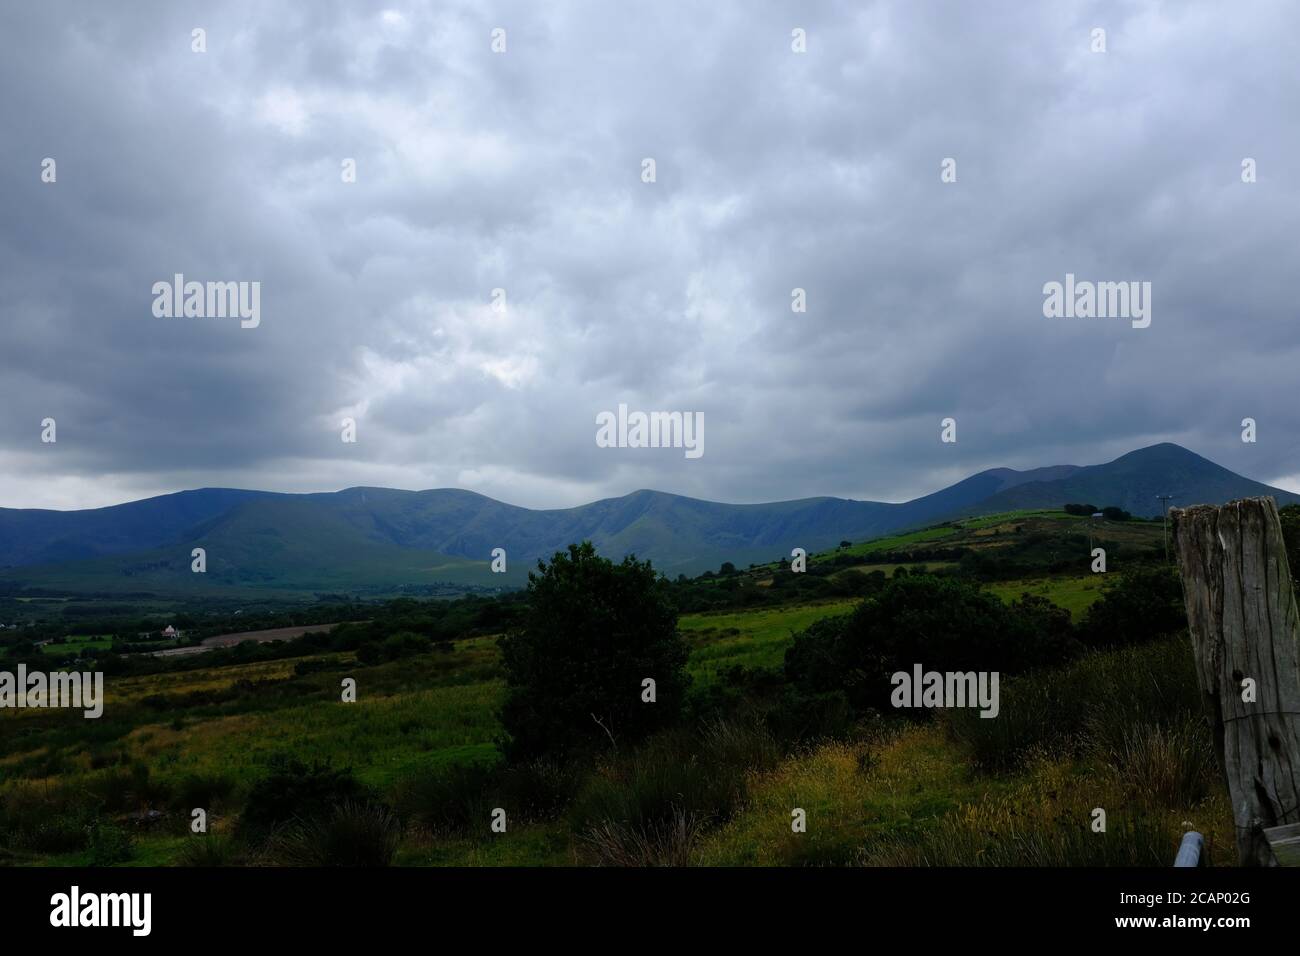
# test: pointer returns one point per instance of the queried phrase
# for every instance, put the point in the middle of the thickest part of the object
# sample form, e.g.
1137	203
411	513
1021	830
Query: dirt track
230	640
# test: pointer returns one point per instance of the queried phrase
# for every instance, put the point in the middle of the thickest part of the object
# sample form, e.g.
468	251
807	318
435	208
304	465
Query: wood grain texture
1241	611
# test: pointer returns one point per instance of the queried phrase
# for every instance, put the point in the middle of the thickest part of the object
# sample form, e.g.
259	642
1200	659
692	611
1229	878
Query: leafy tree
944	624
1137	606
1113	513
592	632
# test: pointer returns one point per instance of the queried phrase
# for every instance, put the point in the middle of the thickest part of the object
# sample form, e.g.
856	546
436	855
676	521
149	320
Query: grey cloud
521	171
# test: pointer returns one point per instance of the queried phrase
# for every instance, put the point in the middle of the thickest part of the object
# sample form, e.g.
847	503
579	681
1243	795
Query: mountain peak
387	536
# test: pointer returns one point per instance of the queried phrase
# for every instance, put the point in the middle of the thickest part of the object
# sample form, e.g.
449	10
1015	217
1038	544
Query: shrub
1002	833
352	834
1170	765
295	790
738	744
448	799
1045	820
203	790
659	843
852	584
671	778
541	789
1090	705
941	623
1139	605
404	644
57	833
460	798
108	844
800	717
122	788
592	632
650	808
211	849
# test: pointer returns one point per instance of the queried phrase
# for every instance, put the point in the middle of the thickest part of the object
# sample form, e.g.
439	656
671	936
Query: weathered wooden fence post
1241	611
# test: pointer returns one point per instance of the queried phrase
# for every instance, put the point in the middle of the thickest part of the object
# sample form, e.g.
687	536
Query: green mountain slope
373	538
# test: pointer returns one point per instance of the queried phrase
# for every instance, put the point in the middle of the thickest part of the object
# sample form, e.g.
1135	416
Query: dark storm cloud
521	170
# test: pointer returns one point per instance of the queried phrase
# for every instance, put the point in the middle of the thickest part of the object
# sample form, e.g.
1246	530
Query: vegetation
942	624
576	670
772	693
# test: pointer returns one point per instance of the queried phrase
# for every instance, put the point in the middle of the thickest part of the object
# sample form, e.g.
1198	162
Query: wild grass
212	849
1092	703
1075	594
352	834
1119	731
751	639
1050	818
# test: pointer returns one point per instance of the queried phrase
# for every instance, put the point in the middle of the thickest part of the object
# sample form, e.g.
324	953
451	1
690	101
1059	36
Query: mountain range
363	539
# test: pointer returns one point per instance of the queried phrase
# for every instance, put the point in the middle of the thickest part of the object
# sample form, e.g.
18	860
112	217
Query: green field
889	793
750	638
77	644
989	521
1074	594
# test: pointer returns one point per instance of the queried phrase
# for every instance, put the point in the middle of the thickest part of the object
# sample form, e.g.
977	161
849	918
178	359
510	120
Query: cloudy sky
522	170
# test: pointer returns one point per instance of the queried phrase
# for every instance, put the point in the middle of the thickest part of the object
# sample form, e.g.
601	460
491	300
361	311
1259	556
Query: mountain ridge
369	536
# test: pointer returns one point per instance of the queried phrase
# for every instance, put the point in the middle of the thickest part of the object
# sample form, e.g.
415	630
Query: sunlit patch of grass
379	737
852	793
1074	594
1048	819
756	638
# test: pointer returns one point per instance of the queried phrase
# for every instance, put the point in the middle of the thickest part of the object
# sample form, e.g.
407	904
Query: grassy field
755	638
989	521
896	542
436	709
76	644
899	794
1075	594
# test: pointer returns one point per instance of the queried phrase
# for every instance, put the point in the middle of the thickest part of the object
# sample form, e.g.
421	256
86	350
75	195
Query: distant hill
372	538
1132	482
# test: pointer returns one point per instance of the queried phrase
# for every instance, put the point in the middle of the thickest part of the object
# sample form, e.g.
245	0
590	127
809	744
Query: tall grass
1171	765
1090	705
212	849
353	834
460	798
1049	820
665	842
650	807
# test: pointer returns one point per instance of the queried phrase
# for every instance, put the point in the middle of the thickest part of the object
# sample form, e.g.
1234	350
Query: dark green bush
1092	705
108	844
352	834
460	798
294	790
1139	605
592	632
943	624
211	849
